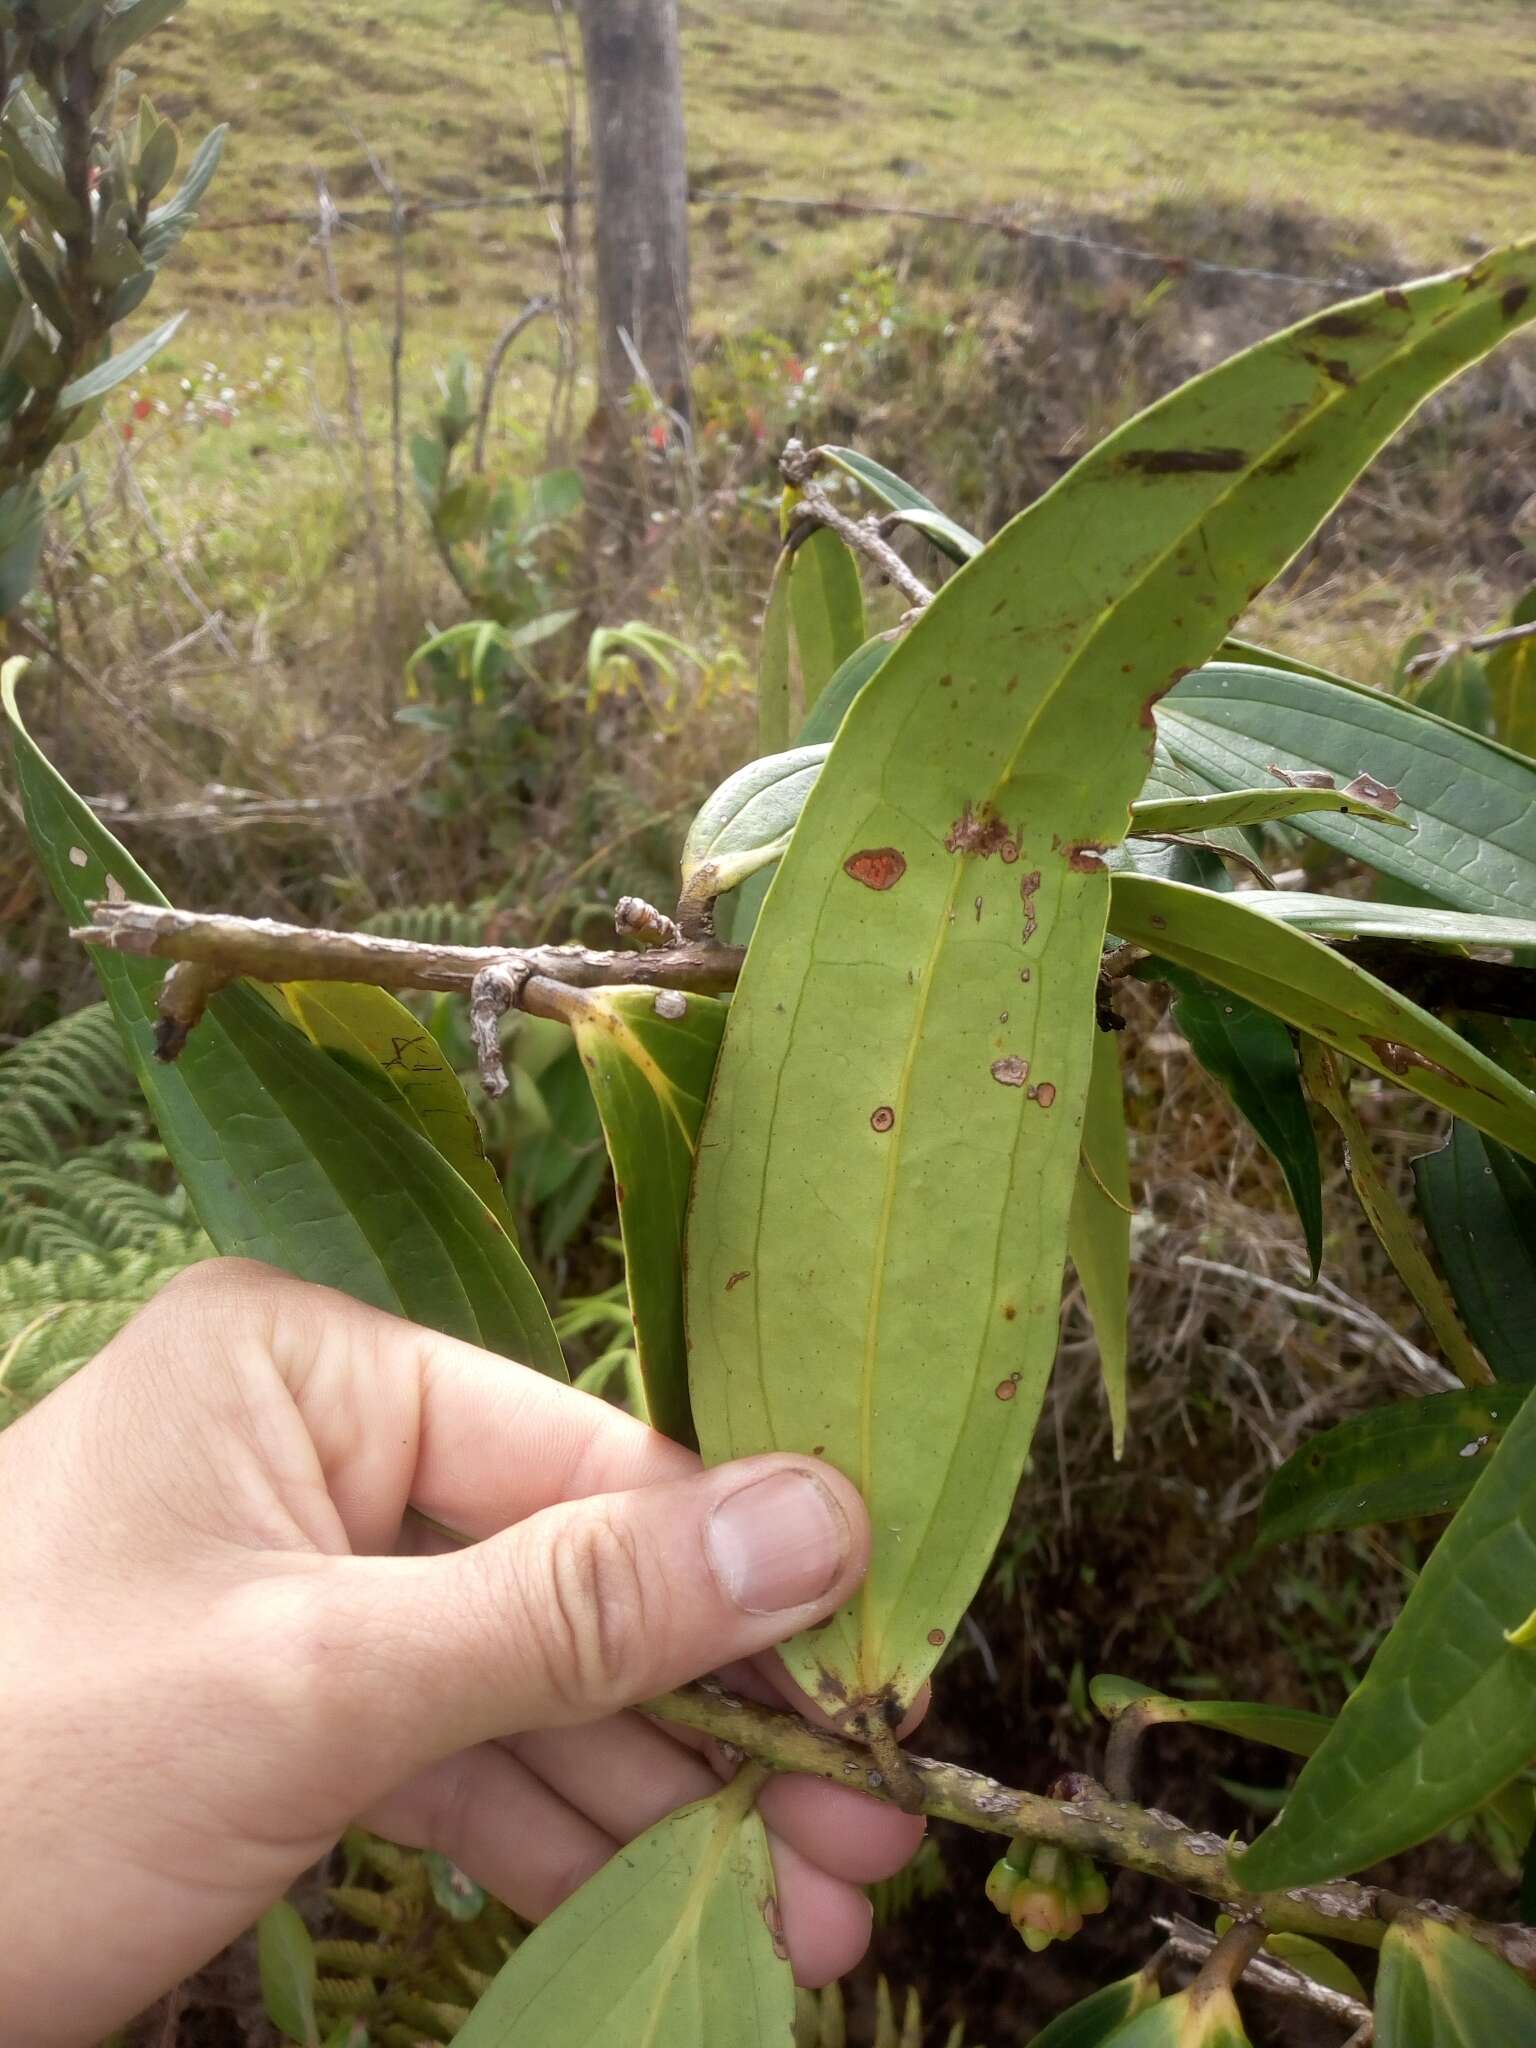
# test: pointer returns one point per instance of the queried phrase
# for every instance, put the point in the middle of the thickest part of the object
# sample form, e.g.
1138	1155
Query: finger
845	1833
395	1413
501	1824
826	1922
587	1606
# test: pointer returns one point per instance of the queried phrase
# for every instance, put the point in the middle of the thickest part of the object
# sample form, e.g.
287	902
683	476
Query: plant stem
223	949
1090	1823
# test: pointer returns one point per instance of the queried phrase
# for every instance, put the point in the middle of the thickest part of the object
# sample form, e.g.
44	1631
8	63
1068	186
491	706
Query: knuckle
596	1622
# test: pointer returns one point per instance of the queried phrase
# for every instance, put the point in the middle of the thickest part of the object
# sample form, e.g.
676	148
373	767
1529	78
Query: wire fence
403	215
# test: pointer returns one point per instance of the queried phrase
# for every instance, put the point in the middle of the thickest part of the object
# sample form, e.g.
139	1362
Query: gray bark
640	177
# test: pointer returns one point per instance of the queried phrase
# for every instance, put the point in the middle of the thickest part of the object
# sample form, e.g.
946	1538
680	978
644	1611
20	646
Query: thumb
594	1604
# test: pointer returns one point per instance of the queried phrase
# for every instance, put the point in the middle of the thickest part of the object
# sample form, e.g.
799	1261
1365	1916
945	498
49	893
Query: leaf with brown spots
880	1258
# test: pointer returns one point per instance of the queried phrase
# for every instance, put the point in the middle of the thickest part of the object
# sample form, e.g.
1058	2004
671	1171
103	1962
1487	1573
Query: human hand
220	1642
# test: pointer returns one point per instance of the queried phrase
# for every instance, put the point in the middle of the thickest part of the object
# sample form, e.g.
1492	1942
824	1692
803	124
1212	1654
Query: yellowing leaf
675	1943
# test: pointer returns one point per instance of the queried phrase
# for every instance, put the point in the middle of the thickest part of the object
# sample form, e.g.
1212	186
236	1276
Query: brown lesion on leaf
1011	1072
937	1637
877	867
979	830
1512	298
1403	1059
1395	298
1028	885
773	1921
1086	856
1006	1389
883	1118
1182	461
1282	465
1301	778
1150	702
1341	326
1370	791
1333	367
737	1278
1010	1313
1044	1094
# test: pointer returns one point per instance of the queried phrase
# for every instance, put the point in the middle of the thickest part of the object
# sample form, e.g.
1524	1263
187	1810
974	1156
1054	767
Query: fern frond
57	1313
84	1205
69	1076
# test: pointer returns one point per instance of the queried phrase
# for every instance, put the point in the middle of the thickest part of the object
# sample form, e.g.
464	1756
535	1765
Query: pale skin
223	1638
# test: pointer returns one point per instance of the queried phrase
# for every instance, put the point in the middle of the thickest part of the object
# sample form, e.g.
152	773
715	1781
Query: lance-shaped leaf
1311	986
1479	1204
1389	1218
746	824
1093	2020
377	1038
676	1943
1390	1464
946	534
1512	682
1251	1055
285	1961
649	1055
285	1155
1099	1233
826	603
831	707
773	665
1252	807
1339	917
1472	802
1440	1989
1292	1729
119	368
1444	1714
1205	2016
880	1208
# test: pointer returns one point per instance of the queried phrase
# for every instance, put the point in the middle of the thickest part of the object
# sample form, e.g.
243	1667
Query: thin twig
392	192
814	508
498	355
1268	1973
1090	1823
264	950
1478	643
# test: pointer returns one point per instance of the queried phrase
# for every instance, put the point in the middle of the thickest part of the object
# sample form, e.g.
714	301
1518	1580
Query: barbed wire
415	213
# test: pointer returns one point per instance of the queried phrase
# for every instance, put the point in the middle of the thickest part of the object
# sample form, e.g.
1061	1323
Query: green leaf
1292	1729
169	222
1253	1058
1439	1989
1210	2020
285	1958
1479	1205
894	491
1511	673
1341	917
827	603
675	1943
376	1036
1471	803
649	1056
285	1155
1444	1714
1099	1233
1250	807
1390	1464
126	22
117	369
746	824
831	707
1308	984
886	1170
1092	2020
773	708
157	161
458	1896
1389	1218
1323	1965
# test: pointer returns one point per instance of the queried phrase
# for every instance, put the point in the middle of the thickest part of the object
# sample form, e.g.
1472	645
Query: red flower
127	433
656	434
794	369
143	409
